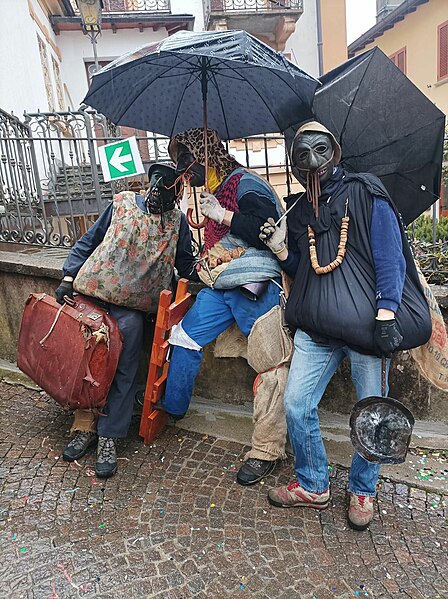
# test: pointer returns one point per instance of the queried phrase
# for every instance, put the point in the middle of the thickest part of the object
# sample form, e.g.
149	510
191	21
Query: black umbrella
164	87
224	80
386	126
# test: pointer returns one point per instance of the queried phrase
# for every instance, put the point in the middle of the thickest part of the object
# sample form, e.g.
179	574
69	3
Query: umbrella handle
191	222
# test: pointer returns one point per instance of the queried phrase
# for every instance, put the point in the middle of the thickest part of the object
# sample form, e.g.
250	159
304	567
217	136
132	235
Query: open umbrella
163	87
225	80
386	126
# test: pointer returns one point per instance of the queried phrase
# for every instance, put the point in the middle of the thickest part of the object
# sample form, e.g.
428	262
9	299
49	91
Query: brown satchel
71	351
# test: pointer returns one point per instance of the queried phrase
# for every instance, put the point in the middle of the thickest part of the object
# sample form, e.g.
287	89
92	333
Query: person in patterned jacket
243	286
123	262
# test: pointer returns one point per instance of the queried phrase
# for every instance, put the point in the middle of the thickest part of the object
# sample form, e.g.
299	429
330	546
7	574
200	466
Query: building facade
415	36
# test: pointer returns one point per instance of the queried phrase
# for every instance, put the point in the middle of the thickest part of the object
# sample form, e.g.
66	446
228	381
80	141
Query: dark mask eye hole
321	148
303	156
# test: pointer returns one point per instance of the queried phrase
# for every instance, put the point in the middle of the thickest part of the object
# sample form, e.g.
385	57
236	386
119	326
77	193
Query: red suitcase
71	351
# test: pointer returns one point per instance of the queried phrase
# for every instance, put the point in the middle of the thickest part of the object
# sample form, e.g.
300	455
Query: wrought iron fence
52	188
123	6
22	214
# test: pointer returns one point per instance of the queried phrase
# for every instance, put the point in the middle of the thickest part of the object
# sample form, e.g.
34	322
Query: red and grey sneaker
359	511
293	495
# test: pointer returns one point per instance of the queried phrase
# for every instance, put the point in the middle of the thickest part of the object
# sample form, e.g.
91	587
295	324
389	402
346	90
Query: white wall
190	7
76	49
303	42
22	84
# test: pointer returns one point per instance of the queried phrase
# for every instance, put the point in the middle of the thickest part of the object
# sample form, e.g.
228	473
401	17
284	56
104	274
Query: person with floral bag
123	262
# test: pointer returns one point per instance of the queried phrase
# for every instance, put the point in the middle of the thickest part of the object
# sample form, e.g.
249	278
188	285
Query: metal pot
381	428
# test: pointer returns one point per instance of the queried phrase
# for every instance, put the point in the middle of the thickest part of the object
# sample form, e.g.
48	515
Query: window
399	59
442	70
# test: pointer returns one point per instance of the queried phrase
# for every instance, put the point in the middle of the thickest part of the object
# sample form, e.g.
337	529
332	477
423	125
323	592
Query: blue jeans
312	367
213	312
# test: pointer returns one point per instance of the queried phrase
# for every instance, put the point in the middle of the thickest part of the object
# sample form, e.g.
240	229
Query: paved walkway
173	524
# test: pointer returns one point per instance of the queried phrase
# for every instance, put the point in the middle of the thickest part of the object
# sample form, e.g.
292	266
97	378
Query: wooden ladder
168	314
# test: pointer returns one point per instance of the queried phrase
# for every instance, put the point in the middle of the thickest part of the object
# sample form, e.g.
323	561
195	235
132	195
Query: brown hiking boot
293	495
360	511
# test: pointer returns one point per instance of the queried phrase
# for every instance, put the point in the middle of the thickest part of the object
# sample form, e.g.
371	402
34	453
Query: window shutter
443	51
399	59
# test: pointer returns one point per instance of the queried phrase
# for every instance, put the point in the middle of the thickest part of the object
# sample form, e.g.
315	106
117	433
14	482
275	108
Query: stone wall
227	379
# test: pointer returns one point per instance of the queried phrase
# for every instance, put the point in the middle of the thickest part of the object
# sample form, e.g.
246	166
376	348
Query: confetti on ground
22	549
102	525
53	595
80	587
137	540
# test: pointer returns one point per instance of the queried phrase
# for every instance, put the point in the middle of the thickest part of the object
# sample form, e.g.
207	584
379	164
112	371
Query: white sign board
120	159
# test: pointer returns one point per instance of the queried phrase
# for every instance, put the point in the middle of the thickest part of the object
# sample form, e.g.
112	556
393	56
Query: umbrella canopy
247	87
385	126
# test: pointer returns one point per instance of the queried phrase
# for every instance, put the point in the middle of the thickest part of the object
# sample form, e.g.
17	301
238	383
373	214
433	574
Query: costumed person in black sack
356	294
243	285
123	262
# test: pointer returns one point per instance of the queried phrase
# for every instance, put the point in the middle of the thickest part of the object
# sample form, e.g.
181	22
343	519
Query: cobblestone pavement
173	524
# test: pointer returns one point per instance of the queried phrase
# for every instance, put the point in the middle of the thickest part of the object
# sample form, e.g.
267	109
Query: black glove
387	337
65	288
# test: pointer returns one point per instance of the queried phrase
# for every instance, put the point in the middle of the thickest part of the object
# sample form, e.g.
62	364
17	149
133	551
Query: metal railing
235	7
123	6
52	188
253	5
259	6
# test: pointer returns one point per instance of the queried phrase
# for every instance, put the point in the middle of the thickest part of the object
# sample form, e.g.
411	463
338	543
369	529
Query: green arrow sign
120	159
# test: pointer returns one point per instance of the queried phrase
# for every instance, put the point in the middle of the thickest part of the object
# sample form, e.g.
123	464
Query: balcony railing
233	7
123	6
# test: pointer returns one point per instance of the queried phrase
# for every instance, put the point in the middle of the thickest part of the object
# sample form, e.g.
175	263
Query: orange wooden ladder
168	314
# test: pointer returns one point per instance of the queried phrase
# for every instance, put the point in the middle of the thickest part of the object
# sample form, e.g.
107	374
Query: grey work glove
211	208
386	338
65	288
274	236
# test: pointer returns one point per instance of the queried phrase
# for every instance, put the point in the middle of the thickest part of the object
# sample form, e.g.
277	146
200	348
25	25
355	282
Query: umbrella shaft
204	102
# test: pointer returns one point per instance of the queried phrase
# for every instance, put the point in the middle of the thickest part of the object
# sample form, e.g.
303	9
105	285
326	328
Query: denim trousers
213	312
312	367
116	415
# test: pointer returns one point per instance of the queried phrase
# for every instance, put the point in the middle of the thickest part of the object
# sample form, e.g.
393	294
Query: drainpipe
319	38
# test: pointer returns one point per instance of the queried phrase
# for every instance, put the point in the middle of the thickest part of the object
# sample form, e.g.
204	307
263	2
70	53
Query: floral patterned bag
135	260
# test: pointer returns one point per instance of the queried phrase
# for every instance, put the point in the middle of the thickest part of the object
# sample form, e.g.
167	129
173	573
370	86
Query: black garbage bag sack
341	306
